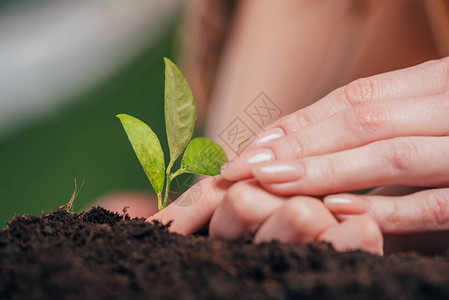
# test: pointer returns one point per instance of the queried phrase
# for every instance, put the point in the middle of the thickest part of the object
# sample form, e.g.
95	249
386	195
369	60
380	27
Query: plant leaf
203	156
180	112
147	148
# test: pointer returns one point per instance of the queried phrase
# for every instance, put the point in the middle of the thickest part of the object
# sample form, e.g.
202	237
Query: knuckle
288	147
302	119
328	169
295	145
436	206
290	123
240	202
400	154
359	91
366	119
296	121
392	217
297	214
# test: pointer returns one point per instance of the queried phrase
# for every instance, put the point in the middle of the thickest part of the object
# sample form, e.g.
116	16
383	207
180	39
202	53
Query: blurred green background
84	140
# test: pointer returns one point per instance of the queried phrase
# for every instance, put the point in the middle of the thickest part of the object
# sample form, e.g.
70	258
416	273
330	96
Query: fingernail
261	139
346	205
278	171
240	168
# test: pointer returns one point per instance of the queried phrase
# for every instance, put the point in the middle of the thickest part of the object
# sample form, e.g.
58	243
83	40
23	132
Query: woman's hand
245	209
388	129
422	211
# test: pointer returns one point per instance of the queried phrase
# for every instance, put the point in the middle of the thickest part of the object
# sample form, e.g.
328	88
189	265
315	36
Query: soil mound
97	255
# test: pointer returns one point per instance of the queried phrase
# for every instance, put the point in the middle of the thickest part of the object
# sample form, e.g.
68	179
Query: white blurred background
67	67
52	50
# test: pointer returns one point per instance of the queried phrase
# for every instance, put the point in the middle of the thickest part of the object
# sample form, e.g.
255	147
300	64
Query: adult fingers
193	209
299	220
244	208
367	123
360	125
358	233
424	211
427	79
417	161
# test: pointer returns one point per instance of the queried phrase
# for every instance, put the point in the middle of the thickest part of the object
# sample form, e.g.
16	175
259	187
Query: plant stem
167	184
167	189
159	201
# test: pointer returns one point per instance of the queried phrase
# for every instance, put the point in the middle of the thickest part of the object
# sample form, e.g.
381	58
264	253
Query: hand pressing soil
97	255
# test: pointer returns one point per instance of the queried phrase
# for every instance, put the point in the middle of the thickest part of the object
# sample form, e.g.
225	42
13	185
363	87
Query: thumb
193	209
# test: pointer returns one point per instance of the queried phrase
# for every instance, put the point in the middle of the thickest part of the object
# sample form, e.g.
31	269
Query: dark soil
96	255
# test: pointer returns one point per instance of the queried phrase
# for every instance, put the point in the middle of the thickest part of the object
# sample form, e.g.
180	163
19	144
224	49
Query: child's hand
245	209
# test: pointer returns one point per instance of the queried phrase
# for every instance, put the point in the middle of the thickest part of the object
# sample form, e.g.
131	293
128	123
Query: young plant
202	156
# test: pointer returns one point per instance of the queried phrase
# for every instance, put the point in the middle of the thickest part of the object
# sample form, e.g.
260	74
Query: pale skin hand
244	209
229	208
390	129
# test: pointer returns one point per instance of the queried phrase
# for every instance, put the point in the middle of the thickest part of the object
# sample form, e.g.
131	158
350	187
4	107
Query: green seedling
202	156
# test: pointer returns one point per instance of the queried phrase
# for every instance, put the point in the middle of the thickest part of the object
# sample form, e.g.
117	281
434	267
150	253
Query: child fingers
193	209
244	208
358	233
300	219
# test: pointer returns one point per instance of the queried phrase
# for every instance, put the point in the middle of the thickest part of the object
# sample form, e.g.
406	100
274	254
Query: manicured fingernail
261	139
346	205
240	168
279	171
